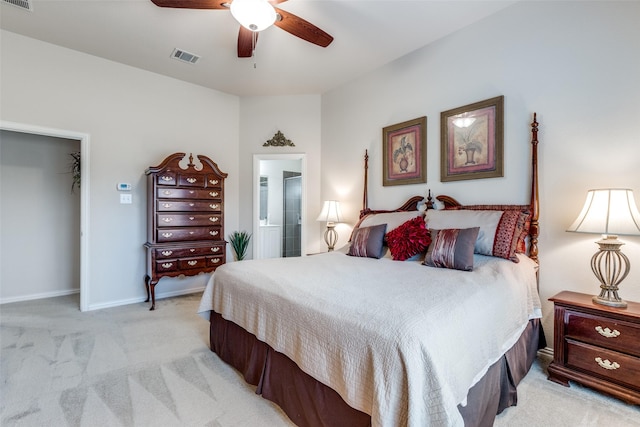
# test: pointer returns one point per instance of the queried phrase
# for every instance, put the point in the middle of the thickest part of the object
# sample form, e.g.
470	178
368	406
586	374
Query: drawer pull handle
192	250
166	178
215	260
213	181
191	218
213	233
192	204
167	253
167	234
215	249
606	364
192	232
213	193
192	263
167	220
212	206
608	333
166	205
167	265
166	192
214	219
191	180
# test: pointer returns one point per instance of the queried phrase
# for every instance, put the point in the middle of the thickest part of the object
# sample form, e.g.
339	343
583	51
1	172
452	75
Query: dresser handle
166	205
191	218
606	364
213	193
213	181
166	192
167	234
192	263
166	178
167	264
167	253
167	220
214	219
213	233
192	250
191	180
216	249
215	260
608	333
212	206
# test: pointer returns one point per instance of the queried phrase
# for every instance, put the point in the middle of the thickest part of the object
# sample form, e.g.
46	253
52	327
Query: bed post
365	199
534	230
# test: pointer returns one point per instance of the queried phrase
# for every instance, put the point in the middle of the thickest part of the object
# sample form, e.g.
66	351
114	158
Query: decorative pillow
452	248
409	239
499	233
392	219
367	241
525	210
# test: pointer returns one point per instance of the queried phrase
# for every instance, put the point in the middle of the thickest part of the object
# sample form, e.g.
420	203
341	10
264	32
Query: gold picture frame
404	153
472	141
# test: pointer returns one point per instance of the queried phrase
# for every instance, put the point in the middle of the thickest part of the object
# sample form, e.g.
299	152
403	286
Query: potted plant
239	242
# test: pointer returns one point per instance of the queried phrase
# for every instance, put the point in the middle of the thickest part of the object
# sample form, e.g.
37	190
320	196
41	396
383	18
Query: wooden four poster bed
356	338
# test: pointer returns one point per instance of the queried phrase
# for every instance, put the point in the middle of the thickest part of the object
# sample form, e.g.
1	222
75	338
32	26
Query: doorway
83	138
279	205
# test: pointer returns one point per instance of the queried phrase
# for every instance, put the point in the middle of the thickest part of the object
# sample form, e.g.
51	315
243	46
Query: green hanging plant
75	170
240	242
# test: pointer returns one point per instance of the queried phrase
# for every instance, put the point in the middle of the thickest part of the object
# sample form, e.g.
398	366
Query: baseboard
159	296
42	295
546	352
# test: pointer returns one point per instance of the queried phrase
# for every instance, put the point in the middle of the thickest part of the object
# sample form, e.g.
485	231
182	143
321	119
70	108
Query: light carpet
126	366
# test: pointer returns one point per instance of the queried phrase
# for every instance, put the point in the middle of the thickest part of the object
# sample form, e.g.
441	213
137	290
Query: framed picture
404	153
472	141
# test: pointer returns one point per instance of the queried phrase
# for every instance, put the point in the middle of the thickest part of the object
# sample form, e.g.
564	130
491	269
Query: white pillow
392	219
487	221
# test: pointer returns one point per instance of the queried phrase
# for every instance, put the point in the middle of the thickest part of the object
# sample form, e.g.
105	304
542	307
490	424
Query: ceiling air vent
22	4
183	56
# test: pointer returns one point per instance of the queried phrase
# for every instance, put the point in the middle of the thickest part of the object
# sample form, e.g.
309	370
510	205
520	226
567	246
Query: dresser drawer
166	265
188	220
166	178
611	365
604	332
189	206
188	234
166	253
190	263
191	180
186	193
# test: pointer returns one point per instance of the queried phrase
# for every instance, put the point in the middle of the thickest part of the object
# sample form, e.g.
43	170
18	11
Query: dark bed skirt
309	403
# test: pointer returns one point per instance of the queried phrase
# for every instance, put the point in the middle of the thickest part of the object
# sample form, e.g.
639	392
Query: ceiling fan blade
304	29
245	43
193	4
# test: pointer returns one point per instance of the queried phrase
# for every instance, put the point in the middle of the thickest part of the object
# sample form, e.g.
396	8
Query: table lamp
330	214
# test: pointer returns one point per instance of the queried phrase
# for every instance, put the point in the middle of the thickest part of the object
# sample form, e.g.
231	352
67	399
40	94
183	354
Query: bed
428	317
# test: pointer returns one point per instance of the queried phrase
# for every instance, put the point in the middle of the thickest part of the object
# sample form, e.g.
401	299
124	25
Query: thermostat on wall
123	186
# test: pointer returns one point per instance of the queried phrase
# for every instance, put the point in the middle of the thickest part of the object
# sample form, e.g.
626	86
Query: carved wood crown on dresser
596	345
185	219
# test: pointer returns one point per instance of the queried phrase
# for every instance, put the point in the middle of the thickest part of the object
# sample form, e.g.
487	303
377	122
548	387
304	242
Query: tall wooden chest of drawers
185	219
596	345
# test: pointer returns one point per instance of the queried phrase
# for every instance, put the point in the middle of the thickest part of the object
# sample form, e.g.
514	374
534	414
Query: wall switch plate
126	199
124	186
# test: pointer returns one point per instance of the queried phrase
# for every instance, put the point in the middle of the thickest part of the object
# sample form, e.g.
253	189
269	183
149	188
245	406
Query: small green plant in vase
239	242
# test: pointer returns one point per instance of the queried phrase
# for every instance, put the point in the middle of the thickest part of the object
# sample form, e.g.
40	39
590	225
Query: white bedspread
398	340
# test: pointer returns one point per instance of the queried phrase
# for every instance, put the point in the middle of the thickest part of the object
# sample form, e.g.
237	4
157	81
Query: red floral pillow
409	239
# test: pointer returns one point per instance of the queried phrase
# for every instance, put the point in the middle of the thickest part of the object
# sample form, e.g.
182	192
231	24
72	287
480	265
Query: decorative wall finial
279	140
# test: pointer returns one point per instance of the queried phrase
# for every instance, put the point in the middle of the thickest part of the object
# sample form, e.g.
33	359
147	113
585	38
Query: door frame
256	195
84	193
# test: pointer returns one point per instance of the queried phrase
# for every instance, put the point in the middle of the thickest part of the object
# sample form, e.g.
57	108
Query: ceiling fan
255	16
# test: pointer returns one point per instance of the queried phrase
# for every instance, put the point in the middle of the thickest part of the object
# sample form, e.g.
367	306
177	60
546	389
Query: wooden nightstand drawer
604	332
611	365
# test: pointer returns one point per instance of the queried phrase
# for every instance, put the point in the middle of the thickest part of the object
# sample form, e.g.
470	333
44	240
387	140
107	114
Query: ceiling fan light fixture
254	15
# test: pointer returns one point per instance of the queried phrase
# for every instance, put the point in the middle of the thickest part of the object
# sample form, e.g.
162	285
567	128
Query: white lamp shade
608	211
254	15
330	212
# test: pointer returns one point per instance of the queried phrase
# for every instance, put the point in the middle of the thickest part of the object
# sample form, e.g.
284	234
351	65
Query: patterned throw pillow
367	241
452	248
409	239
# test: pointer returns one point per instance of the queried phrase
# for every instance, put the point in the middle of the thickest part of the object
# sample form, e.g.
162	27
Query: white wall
298	118
40	217
575	63
135	119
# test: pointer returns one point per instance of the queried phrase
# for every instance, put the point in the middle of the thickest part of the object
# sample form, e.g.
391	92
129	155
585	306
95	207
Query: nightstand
596	345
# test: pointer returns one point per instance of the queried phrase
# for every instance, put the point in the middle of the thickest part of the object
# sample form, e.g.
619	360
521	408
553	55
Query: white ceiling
367	34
